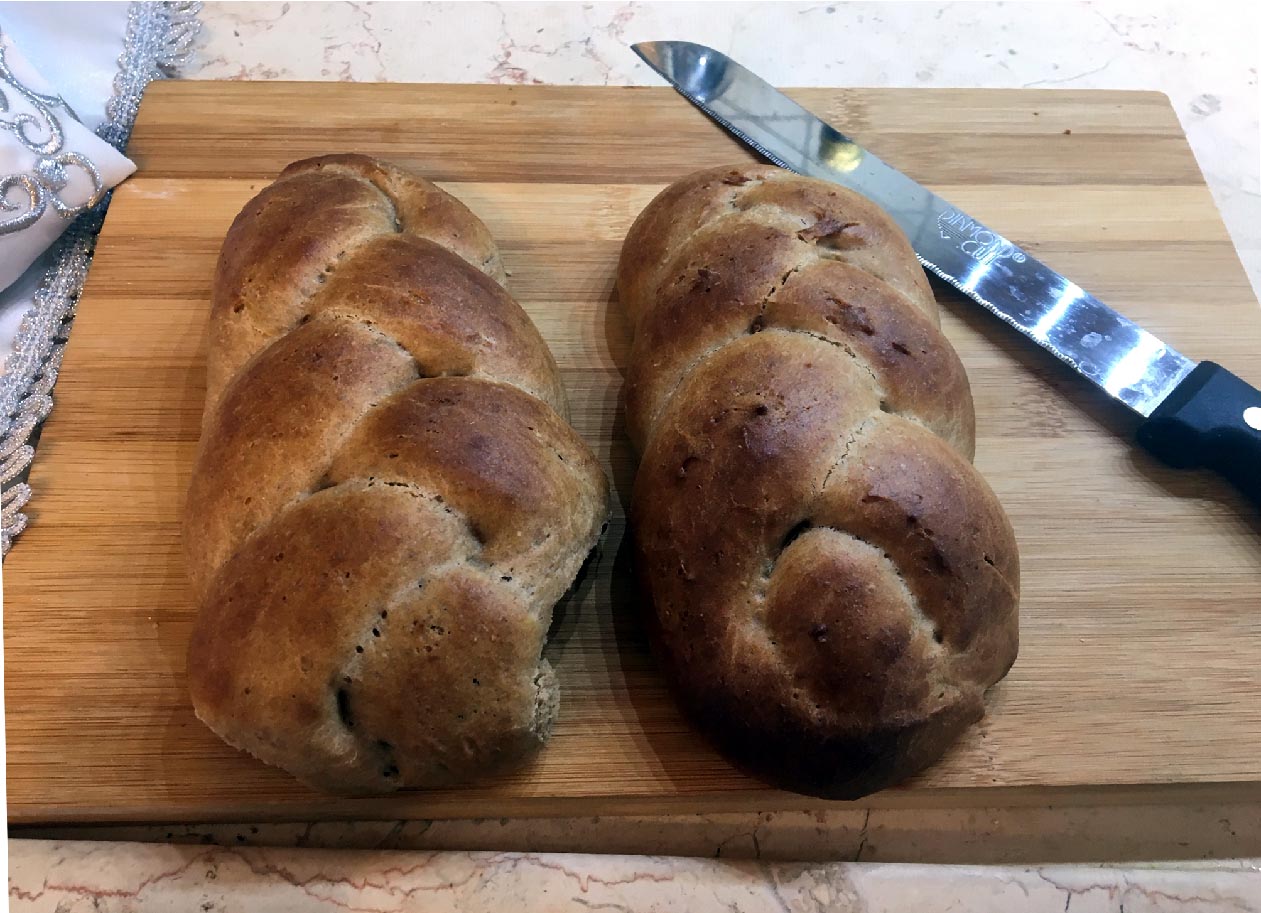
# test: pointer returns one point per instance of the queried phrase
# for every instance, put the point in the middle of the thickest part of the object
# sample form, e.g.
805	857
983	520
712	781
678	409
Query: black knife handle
1211	420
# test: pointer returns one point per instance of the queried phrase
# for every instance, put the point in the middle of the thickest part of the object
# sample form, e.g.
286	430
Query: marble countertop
1208	67
112	878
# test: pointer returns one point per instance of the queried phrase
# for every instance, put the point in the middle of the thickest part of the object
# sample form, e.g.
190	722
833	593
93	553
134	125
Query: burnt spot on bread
794	534
932	556
831	231
912	520
900	347
343	708
735	179
847	316
758	324
686	465
819	632
704	280
936	560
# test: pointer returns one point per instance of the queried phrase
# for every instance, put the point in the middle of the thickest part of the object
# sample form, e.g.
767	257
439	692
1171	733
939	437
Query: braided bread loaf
387	501
833	586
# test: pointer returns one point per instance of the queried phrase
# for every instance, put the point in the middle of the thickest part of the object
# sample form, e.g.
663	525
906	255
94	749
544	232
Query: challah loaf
387	500
832	584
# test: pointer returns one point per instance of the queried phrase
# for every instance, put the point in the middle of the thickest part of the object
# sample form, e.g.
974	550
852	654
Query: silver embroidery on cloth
159	38
48	177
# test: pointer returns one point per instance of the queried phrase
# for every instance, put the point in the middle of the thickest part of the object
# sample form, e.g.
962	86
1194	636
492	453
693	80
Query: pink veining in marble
114	877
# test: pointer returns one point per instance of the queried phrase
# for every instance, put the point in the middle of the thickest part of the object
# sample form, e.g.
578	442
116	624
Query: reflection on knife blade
1125	360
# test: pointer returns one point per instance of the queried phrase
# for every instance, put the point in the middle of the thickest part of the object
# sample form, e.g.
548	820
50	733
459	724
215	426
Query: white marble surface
1204	56
112	878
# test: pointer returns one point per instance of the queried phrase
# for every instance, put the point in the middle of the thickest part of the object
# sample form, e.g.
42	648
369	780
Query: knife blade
1196	415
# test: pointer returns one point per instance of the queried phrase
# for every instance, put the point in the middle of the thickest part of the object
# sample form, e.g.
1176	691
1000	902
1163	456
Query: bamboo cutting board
1140	622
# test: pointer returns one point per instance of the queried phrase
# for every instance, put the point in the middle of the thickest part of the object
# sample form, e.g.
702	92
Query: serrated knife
1195	415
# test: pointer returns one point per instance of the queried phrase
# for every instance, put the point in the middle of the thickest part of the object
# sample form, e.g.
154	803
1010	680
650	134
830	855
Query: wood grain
1140	621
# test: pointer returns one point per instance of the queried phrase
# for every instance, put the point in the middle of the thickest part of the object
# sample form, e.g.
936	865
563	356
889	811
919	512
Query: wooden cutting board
1141	628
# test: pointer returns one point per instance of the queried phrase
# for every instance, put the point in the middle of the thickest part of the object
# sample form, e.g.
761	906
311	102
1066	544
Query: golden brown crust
302	230
832	584
386	502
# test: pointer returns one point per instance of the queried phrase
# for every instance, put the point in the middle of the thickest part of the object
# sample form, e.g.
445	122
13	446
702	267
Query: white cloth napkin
79	55
52	167
76	53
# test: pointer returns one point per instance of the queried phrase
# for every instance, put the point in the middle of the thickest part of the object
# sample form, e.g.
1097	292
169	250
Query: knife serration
1103	346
